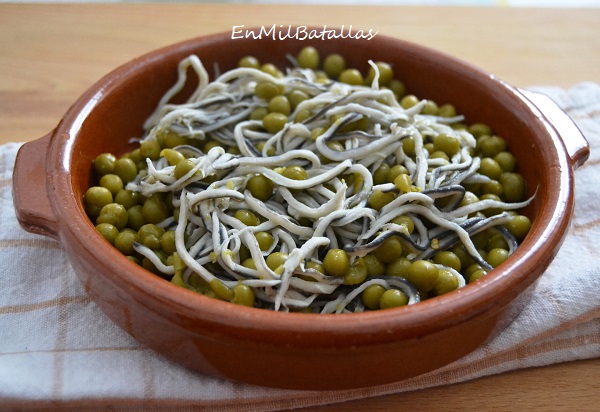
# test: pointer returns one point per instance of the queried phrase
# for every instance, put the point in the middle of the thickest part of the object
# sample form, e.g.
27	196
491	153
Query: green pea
386	74
247	217
478	274
496	256
112	182
316	266
155	210
492	187
375	267
124	241
274	122
128	198
243	253
409	101
150	149
260	187
136	218
334	64
398	267
177	262
447	144
403	183
276	259
115	214
394	172
104	163
430	108
357	273
234	150
447	110
389	250
481	239
135	155
513	187
271	69
380	176
108	231
398	88
352	77
493	145
125	168
479	129
480	141
460	251
507	161
379	199
250	62
392	298
448	258
490	168
405	221
519	226
221	290
210	144
173	139
302	115
167	242
295	173
173	156
371	296
422	274
243	295
446	282
150	240
264	239
261	147
472	268
98	196
259	113
496	241
308	58
92	211
408	146
267	90
184	167
295	97
280	104
468	199
355	182
336	262
249	263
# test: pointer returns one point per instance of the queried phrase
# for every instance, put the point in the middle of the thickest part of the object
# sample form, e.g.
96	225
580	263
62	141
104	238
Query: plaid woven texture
58	350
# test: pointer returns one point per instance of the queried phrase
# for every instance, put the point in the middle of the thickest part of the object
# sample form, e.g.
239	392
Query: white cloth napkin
57	349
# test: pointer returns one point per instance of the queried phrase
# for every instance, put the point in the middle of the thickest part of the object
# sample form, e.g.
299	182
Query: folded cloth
57	349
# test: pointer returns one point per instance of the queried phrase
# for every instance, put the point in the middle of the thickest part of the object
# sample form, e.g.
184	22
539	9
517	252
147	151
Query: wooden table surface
49	54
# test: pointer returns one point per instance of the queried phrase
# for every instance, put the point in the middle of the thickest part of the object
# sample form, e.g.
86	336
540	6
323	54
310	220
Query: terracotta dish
292	350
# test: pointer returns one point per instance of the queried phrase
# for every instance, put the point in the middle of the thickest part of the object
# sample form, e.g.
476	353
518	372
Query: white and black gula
327	209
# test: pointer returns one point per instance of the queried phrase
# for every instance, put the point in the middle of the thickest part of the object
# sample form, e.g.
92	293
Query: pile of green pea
124	217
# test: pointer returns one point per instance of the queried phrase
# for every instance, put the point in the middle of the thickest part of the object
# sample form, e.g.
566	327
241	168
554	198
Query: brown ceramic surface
284	349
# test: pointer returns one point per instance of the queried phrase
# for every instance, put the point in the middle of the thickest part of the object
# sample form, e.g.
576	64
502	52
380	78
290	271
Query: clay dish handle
31	184
575	143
